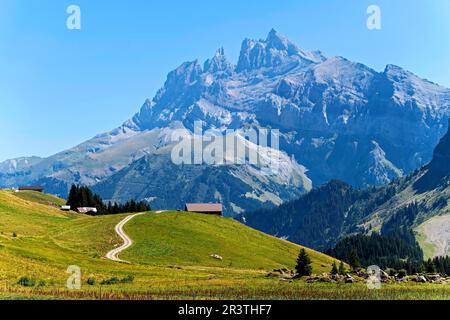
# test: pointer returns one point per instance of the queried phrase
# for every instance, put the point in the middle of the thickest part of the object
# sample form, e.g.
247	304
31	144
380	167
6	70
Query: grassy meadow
171	258
180	238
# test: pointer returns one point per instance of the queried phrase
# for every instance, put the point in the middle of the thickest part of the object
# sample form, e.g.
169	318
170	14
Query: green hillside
41	198
42	241
170	257
181	238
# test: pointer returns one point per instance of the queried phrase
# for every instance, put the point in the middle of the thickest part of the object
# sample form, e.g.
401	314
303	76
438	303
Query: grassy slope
180	238
432	245
49	241
433	235
41	198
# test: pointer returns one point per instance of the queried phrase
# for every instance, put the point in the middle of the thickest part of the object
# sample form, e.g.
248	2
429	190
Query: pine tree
133	206
334	269
342	270
84	198
430	267
116	208
353	260
73	194
303	267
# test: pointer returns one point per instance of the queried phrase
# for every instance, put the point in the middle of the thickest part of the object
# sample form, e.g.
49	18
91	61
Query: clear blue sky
60	87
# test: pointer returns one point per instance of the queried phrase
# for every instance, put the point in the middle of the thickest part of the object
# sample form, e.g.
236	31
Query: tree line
82	196
440	265
396	251
319	217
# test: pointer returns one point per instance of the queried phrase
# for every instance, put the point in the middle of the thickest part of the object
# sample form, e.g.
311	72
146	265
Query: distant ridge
338	120
336	210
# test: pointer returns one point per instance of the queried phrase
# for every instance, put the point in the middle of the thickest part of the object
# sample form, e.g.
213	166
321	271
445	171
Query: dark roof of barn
31	188
204	207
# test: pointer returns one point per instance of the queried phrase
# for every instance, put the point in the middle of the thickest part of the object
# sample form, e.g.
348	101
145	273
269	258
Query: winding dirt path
127	242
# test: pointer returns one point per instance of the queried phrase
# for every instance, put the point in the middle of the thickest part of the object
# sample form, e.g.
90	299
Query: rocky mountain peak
278	41
392	68
275	51
219	63
328	112
396	73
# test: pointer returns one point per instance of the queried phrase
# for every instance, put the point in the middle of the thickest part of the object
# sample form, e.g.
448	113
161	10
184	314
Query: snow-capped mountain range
338	119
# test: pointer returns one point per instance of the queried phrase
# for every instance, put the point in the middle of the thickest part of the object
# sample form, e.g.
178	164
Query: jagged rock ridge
338	119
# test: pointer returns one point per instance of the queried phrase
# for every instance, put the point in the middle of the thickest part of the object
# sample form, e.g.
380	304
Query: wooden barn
31	188
205	208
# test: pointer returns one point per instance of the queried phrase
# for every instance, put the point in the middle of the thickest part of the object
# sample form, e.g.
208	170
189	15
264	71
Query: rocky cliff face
439	168
339	119
441	157
335	115
165	185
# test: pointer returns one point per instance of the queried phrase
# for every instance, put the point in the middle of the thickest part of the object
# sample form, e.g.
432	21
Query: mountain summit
275	51
338	120
219	64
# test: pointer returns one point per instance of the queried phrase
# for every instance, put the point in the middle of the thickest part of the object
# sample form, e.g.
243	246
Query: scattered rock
326	277
362	274
349	279
282	273
312	279
433	277
421	279
384	275
360	277
273	274
216	256
330	278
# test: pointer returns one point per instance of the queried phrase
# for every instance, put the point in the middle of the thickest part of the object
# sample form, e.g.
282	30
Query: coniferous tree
398	250
303	267
81	196
116	208
430	266
334	268
355	265
110	208
342	270
73	194
325	207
